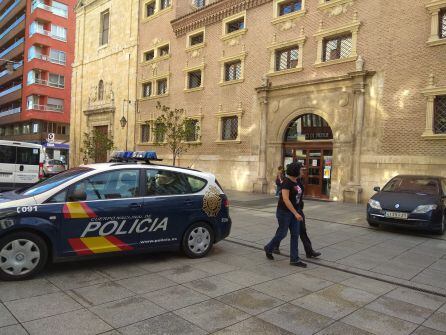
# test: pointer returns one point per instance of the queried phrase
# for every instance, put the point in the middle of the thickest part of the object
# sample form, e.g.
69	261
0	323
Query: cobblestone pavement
236	290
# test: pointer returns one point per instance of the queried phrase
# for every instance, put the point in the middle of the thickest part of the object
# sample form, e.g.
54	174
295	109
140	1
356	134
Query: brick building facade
354	89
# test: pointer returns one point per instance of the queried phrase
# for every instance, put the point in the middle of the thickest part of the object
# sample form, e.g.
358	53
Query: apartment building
37	40
353	89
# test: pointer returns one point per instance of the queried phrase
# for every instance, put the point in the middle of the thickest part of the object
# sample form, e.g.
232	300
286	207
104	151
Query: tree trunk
174	158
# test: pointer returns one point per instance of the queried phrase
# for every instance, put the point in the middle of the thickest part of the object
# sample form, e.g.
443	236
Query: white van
21	164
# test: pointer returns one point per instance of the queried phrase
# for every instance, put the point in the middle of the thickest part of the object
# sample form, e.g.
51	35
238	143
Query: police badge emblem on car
212	202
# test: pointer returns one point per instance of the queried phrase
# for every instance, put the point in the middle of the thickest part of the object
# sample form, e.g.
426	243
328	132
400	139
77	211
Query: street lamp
123	122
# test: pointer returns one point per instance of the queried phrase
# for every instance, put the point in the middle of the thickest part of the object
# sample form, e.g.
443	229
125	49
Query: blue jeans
286	221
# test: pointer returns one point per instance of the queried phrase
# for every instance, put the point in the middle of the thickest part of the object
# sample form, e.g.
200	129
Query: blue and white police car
108	208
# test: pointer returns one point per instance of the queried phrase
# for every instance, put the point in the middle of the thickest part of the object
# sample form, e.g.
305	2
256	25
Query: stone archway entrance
309	141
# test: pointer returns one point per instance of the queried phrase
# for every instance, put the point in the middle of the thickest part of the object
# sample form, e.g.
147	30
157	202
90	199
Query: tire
198	240
22	255
442	229
373	224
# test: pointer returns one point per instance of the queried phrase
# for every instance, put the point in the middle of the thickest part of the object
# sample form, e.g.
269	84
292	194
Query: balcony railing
9	10
40	30
15	66
10	111
12	26
46	58
54	10
10	90
12	47
46	108
43	82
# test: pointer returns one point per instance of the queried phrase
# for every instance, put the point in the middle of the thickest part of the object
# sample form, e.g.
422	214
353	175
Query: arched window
308	127
101	90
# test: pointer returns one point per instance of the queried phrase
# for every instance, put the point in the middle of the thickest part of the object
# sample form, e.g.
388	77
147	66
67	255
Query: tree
173	128
96	144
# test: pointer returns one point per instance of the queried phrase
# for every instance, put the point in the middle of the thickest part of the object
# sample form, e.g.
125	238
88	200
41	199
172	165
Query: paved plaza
368	281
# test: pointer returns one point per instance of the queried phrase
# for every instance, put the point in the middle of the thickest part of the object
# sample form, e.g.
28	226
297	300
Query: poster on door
327	172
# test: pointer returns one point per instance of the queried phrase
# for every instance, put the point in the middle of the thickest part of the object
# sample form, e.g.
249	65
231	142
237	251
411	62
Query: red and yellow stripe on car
77	210
98	245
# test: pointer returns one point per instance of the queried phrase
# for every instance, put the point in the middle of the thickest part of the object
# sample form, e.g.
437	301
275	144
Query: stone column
261	185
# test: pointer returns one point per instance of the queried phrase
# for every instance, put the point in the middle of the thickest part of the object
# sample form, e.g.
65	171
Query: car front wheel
22	255
198	240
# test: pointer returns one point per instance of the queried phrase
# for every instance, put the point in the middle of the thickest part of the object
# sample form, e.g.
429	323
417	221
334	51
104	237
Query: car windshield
53	182
413	185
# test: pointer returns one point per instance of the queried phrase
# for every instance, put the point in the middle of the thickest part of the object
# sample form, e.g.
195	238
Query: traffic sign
51	138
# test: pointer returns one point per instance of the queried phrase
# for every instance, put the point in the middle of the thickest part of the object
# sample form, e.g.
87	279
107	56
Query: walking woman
288	216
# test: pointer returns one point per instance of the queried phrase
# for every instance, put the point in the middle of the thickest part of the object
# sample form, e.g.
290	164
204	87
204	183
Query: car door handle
188	202
135	206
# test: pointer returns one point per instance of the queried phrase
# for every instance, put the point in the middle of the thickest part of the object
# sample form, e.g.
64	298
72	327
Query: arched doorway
309	140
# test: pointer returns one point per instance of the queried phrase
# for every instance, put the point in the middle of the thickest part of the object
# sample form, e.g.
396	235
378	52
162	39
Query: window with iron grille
233	70
105	28
194	79
235	25
229	128
191	130
150	8
149	55
440	114
442	16
287	58
199	3
145	133
288	7
160	130
146	90
337	47
163	50
161	86
197	39
164	4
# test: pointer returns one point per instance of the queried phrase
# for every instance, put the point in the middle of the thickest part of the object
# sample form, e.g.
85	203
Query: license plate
397	215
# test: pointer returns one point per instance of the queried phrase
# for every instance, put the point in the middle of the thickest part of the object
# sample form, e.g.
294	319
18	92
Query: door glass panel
327	171
163	182
111	185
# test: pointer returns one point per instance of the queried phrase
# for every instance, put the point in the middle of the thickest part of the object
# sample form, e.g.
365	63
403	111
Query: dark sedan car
417	202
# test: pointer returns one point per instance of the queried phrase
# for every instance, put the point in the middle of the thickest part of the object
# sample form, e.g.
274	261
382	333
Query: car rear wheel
22	255
198	240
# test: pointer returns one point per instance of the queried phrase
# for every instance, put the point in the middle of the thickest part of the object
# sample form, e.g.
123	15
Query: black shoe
299	264
276	251
314	254
268	254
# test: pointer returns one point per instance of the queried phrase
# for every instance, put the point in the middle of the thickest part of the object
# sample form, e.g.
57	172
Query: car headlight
6	223
422	209
374	204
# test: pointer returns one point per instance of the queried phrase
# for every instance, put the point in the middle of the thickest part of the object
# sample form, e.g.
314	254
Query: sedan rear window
413	185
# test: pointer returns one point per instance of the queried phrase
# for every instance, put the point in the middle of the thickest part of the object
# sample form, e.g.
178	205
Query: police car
109	208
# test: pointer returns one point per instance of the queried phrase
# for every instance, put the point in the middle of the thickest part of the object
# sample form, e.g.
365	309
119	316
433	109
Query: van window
28	156
7	154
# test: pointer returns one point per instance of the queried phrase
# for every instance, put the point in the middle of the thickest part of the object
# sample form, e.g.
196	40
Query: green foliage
95	144
175	130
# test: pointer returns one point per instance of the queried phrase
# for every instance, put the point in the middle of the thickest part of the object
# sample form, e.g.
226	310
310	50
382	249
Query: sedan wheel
198	240
21	256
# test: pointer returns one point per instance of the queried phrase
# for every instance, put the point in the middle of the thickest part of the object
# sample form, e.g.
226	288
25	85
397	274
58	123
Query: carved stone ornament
155	41
287	25
212	202
195	53
343	100
233	41
93	97
339	9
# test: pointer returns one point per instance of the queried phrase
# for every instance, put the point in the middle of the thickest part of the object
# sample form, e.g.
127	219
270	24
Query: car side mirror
377	189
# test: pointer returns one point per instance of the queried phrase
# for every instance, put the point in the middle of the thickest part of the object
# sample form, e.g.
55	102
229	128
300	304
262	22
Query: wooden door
101	155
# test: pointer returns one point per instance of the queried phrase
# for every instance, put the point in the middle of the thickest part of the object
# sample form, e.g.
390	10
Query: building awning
65	146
